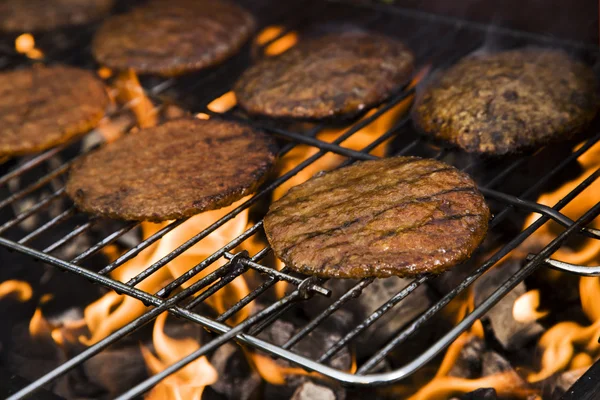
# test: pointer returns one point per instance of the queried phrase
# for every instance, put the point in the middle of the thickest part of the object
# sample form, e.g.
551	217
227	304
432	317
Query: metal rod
54	221
279	275
31	210
539	209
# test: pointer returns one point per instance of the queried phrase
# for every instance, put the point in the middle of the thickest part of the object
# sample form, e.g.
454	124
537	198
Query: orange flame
505	383
113	311
20	289
269	33
131	94
562	342
443	386
221	104
187	383
282	44
525	307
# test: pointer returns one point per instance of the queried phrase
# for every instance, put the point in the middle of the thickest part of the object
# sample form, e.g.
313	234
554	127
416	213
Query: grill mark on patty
344	247
306	81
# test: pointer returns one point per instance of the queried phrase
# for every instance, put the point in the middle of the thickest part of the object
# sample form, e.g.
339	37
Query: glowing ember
223	104
525	307
187	383
25	44
19	289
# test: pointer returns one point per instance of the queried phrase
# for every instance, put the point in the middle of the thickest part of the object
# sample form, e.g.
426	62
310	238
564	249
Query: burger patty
171	37
337	74
509	102
171	171
41	107
43	15
401	216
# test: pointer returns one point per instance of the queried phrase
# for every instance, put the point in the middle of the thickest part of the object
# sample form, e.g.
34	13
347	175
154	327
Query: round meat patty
171	171
401	216
172	37
44	15
338	74
41	107
509	102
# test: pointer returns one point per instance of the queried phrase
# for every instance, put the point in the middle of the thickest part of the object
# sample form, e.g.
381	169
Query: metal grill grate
438	42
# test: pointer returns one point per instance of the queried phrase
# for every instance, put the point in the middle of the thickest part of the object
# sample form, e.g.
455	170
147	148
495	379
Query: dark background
567	19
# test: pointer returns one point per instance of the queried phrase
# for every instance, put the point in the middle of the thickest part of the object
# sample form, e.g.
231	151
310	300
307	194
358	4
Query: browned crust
44	15
42	107
509	102
338	74
175	170
401	216
172	37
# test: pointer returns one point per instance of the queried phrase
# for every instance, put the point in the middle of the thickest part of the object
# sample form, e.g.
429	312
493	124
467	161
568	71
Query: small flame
269	370
525	307
20	289
187	383
282	44
222	104
131	94
38	326
25	44
269	33
507	384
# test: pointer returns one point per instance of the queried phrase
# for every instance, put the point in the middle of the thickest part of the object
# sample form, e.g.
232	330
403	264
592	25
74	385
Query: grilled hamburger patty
334	75
41	107
43	15
509	101
171	37
401	216
177	169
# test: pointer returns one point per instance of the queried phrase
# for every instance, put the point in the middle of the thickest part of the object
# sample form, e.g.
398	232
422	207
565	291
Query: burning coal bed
534	344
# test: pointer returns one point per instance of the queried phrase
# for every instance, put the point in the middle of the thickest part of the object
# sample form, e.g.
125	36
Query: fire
19	289
525	307
505	383
443	386
282	44
187	383
567	345
131	94
38	326
267	34
113	311
25	44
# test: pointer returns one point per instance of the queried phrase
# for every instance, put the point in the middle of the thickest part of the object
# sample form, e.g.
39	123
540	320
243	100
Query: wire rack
438	42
